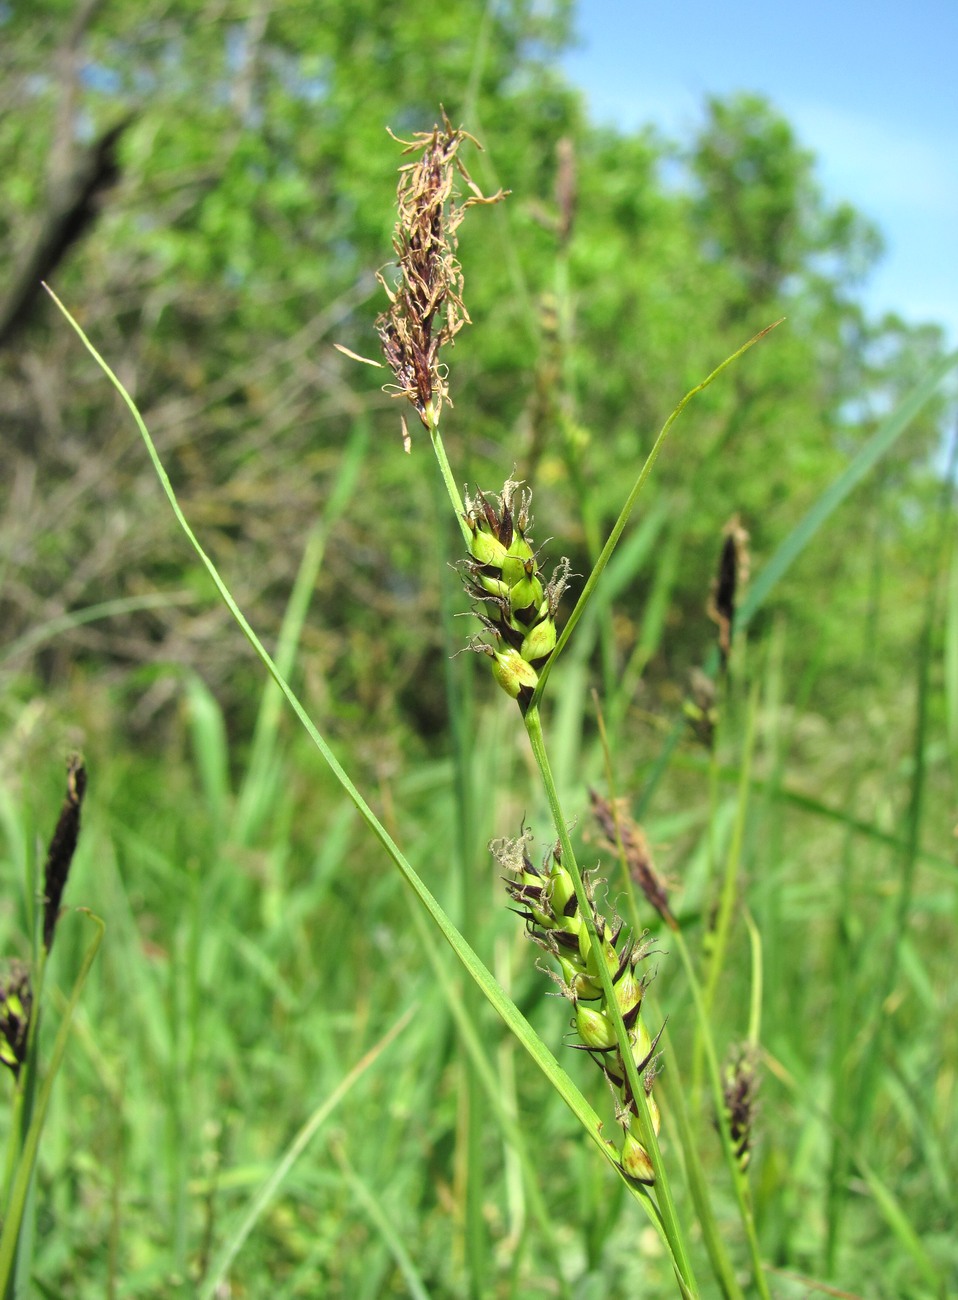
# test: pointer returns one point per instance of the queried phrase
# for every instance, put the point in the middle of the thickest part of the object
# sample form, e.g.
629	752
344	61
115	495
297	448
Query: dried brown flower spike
426	308
622	835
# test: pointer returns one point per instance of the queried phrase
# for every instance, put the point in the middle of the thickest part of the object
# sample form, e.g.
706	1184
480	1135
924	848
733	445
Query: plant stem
446	470
666	1206
727	897
705	1042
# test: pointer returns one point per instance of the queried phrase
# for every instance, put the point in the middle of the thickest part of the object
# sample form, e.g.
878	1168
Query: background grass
254	960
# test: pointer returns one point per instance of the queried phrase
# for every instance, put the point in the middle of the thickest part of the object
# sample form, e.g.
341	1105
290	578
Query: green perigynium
514	603
546	899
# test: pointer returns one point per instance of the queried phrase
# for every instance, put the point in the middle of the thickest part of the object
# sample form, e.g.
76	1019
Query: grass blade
259	1203
619	526
880	442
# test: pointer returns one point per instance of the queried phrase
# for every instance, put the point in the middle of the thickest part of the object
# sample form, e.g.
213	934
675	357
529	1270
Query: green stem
715	1079
665	1210
712	1238
458	686
723	924
446	470
666	1205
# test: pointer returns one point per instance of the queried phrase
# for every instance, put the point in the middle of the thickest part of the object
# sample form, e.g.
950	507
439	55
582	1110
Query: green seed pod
535	897
512	672
628	993
540	642
635	1160
594	1028
641	1044
520	561
526	595
575	979
611	956
561	888
484	546
495	586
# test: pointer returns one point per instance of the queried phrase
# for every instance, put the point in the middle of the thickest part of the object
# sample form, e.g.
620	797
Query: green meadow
514	789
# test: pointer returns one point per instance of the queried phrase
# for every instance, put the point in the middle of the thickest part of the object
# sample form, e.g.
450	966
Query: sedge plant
517	607
599	963
22	1002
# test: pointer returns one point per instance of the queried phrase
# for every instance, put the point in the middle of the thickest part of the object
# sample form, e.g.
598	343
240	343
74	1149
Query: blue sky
871	89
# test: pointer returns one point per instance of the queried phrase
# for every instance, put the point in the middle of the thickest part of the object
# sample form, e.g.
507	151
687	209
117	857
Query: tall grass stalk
717	953
429	277
619	526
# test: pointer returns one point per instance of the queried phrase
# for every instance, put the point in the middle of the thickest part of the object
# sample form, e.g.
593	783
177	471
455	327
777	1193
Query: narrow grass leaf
55	627
234	1243
880	442
379	1217
210	749
619	527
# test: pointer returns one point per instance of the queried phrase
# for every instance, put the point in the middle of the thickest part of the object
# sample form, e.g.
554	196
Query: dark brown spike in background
740	1088
62	847
622	835
732	576
73	205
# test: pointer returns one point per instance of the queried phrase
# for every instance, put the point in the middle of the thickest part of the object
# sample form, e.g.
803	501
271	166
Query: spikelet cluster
733	572
513	602
426	310
545	897
16	1002
740	1090
16	989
